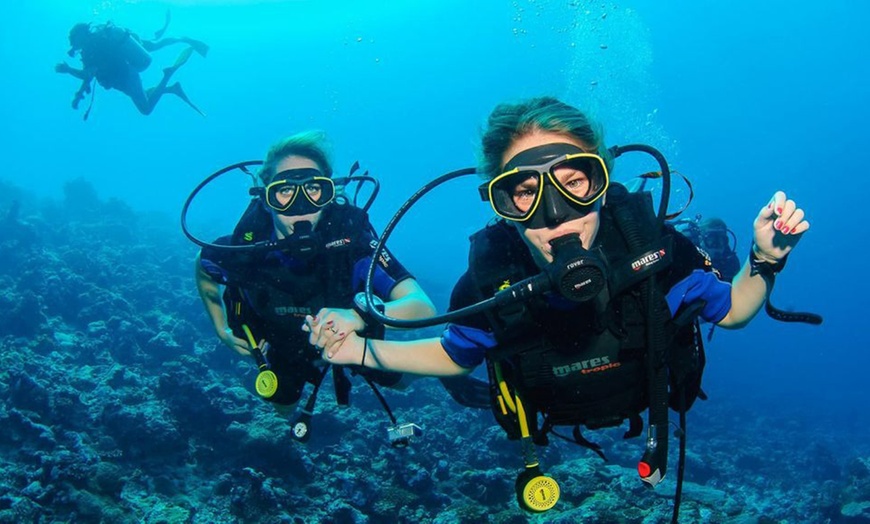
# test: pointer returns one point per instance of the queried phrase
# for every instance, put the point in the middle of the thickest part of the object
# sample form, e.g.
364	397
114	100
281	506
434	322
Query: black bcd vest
272	297
583	365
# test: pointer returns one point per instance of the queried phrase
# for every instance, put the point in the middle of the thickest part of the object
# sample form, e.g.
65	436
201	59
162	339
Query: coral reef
121	406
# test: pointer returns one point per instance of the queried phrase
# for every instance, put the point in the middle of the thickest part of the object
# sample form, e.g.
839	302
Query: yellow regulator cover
540	493
267	383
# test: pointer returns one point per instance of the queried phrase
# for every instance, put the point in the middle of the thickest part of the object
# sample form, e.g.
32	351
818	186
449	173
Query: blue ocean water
745	98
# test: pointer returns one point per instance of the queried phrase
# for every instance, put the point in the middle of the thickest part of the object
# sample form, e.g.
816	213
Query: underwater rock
856	509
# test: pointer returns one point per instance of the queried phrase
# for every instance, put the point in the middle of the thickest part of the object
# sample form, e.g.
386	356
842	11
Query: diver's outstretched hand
62	67
778	228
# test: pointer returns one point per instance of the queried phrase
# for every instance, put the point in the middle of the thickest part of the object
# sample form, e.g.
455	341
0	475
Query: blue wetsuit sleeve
702	285
210	260
382	283
388	270
214	271
466	345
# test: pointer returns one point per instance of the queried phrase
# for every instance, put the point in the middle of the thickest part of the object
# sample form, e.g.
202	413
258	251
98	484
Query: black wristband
759	266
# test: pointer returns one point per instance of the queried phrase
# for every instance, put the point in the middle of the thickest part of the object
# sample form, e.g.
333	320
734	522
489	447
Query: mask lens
715	240
514	195
280	194
319	191
581	179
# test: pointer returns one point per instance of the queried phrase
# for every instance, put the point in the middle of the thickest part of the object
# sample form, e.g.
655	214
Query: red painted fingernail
785	230
779	211
329	323
341	334
777	224
770	205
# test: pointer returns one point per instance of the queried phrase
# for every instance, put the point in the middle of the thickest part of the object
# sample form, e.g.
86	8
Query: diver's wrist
763	264
359	323
757	254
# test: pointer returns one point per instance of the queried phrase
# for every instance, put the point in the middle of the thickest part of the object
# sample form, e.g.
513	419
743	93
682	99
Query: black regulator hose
388	230
617	151
243	166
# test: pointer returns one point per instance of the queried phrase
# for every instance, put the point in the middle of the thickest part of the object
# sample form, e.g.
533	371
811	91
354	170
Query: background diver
115	57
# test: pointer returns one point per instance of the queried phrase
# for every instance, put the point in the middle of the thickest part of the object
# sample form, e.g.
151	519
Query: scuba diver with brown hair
115	57
580	299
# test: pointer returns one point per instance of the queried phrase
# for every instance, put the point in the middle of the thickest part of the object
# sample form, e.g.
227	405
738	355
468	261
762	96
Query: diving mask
716	240
282	194
560	179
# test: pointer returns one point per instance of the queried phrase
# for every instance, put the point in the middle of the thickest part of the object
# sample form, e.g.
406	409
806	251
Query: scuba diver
116	56
718	241
580	299
299	247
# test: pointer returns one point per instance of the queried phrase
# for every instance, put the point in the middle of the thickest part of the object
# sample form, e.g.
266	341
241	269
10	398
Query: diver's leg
157	91
149	98
132	87
198	46
182	59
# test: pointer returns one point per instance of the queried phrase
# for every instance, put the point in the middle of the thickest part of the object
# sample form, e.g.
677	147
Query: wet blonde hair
313	145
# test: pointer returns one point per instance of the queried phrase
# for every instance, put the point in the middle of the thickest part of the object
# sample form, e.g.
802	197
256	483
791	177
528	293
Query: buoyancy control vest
585	365
272	294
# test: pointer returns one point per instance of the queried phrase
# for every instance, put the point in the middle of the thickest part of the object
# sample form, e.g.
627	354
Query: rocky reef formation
121	406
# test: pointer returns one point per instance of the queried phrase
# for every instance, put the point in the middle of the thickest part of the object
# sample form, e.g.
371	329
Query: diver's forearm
748	293
410	307
419	357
